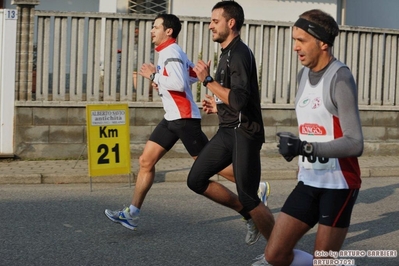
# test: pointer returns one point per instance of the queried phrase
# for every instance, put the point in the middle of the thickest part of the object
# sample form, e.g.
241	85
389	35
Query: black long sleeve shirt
237	71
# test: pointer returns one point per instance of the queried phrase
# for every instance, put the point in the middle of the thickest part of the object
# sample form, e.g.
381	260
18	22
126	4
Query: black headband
315	30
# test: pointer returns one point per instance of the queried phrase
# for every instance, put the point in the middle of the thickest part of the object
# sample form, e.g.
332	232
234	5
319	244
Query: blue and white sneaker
264	191
123	217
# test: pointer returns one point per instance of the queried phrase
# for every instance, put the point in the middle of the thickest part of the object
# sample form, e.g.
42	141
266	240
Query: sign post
8	38
108	139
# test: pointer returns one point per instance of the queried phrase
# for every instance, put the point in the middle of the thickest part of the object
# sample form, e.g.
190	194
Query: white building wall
113	6
272	10
369	13
69	5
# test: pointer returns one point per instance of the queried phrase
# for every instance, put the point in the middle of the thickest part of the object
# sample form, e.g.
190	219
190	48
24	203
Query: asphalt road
66	225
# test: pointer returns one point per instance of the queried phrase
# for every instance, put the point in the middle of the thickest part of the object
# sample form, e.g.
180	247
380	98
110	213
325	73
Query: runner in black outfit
241	133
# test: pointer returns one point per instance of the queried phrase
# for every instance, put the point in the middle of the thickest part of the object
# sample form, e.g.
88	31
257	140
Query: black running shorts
311	205
189	131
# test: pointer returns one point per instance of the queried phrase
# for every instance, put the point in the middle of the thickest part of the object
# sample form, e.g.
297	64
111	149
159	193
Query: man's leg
336	207
263	219
152	153
129	216
329	238
247	167
299	213
285	235
214	157
161	140
222	195
228	173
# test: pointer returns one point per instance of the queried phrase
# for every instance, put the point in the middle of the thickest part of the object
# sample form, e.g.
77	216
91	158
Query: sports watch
207	80
308	148
152	76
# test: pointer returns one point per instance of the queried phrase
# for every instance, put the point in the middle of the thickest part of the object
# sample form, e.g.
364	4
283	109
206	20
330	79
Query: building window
148	7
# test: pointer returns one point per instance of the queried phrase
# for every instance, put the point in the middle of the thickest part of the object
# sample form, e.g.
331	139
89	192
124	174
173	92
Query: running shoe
123	217
260	261
264	191
253	233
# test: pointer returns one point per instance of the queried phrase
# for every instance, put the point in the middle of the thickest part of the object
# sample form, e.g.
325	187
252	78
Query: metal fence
94	57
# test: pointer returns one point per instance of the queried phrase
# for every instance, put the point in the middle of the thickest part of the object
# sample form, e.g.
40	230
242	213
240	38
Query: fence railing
93	57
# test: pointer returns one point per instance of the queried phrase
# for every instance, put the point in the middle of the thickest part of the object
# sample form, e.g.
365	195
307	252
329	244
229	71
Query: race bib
317	163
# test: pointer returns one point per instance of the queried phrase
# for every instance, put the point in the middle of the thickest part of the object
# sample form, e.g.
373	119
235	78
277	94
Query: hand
155	86
201	69
290	145
209	105
146	70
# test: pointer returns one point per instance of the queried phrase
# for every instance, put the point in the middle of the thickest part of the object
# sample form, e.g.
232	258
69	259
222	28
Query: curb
21	179
166	176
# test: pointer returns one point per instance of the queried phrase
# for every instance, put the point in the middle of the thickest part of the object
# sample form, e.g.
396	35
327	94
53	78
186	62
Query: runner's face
158	33
307	47
218	26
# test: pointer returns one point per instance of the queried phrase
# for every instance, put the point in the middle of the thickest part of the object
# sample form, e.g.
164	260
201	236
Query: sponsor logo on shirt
316	102
312	129
304	102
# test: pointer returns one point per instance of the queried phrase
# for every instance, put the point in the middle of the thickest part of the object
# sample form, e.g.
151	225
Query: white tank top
317	124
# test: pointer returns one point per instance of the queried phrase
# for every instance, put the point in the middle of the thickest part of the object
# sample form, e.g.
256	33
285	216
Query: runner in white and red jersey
173	78
330	140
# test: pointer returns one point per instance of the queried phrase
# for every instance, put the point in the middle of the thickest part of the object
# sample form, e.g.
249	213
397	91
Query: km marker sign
108	138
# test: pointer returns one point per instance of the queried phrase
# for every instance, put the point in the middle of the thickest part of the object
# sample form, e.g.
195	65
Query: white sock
134	210
302	258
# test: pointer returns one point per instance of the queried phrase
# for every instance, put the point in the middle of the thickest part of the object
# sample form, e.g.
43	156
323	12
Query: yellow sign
108	139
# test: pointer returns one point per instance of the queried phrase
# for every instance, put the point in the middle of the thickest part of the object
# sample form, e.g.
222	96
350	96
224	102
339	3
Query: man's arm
202	71
345	97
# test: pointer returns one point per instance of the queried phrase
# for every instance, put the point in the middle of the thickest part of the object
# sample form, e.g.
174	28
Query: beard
221	37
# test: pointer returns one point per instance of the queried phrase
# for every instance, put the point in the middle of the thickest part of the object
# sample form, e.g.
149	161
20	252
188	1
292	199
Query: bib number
317	163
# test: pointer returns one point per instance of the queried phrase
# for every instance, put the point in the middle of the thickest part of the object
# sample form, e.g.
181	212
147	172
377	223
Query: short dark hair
231	10
322	19
170	21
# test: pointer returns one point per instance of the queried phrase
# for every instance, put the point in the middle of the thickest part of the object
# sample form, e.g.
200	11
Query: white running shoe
253	233
260	261
264	191
123	217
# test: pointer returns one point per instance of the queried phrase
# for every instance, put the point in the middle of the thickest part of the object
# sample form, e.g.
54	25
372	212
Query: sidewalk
168	170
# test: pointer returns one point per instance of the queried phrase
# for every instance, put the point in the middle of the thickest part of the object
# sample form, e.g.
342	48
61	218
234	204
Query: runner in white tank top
329	142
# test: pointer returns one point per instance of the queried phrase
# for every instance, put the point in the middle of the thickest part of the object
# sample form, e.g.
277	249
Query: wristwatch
308	148
207	80
152	76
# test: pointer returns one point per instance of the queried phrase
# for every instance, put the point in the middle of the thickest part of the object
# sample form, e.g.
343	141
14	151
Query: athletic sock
301	258
134	210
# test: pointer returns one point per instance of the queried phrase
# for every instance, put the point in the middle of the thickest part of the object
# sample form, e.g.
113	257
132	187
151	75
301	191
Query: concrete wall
60	132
